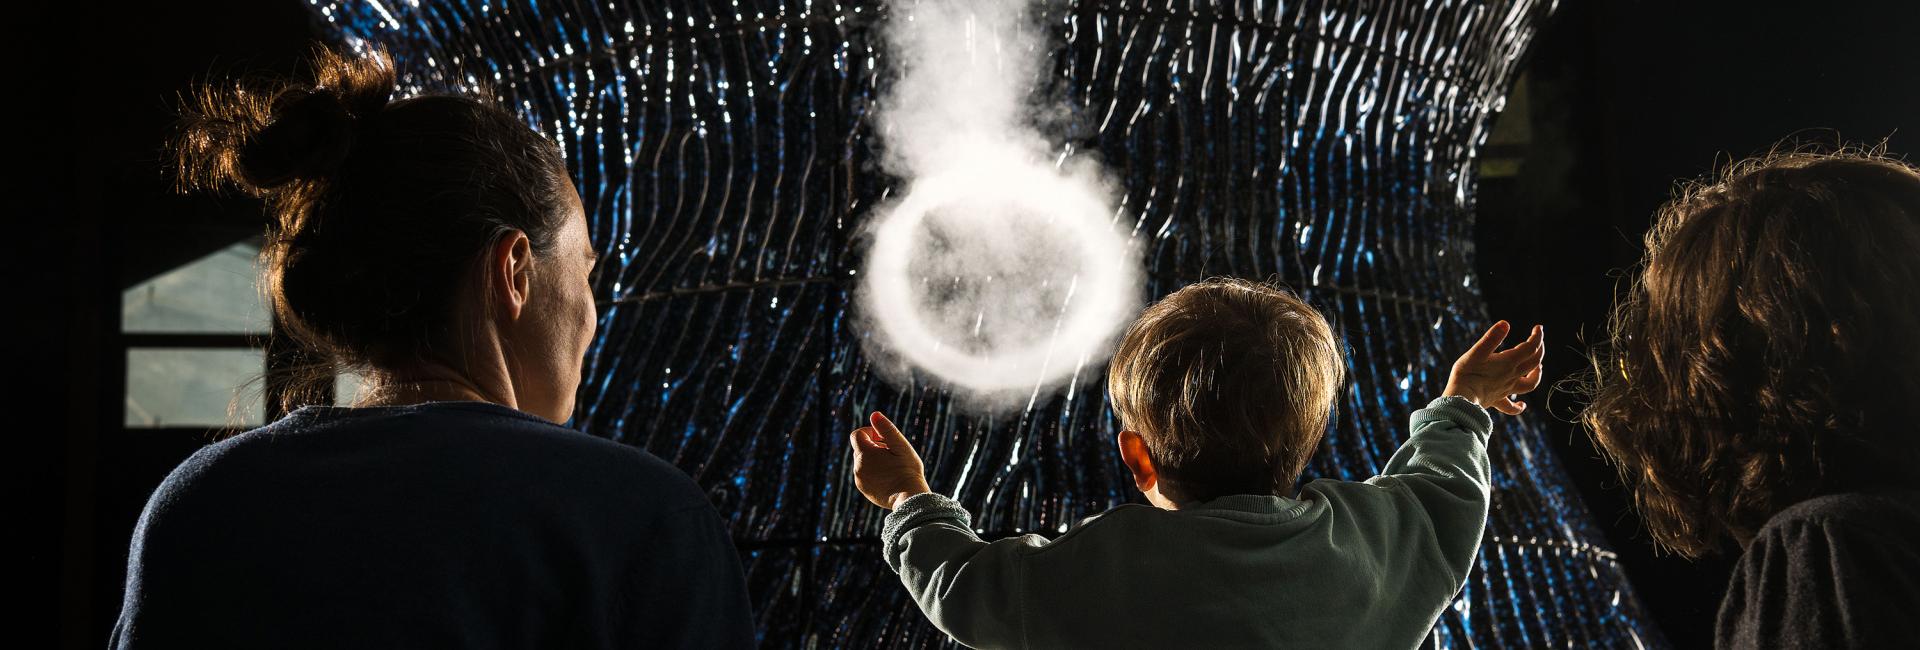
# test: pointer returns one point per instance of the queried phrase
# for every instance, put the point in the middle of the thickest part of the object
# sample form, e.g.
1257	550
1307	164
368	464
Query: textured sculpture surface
727	156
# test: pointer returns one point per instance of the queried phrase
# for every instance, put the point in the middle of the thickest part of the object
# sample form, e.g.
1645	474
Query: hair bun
261	139
308	137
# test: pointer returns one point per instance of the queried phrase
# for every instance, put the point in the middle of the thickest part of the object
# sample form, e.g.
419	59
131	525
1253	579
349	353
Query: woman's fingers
1508	406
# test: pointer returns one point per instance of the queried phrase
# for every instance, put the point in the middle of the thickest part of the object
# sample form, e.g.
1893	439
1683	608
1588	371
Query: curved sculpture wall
726	154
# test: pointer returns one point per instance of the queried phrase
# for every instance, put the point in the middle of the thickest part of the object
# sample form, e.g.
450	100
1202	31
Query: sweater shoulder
484	442
1887	513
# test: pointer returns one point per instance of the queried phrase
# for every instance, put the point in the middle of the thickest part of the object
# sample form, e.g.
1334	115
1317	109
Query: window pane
213	294
346	386
194	387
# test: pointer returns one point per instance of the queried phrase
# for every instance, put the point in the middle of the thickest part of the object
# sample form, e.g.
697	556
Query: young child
1224	389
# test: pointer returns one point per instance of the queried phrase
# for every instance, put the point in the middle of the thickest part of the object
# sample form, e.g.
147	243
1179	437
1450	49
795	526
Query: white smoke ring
1100	298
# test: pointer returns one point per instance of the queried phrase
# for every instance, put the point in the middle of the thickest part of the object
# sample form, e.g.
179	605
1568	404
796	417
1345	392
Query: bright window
194	387
195	338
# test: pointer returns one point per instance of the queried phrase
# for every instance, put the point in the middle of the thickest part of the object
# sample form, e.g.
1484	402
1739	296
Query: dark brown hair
1767	350
380	207
1231	384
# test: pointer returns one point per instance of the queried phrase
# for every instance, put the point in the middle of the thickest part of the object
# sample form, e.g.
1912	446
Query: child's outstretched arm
967	587
1444	461
1436	488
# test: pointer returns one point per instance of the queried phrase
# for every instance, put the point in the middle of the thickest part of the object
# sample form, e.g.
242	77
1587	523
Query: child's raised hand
1491	378
885	467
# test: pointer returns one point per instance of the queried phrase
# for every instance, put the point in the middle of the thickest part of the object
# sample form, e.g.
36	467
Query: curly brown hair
1769	349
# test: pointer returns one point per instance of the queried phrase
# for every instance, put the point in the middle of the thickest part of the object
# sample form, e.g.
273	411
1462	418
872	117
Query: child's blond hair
1231	384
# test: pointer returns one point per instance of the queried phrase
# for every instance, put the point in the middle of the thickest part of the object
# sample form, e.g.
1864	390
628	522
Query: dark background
1619	100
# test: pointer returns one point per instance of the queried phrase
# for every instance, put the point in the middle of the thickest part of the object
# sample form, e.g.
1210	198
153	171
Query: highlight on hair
1766	351
1231	384
381	208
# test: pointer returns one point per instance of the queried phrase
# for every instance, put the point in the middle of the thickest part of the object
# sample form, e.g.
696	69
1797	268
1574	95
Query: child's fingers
1508	406
1490	341
1534	345
888	434
1528	382
867	438
1534	356
1536	342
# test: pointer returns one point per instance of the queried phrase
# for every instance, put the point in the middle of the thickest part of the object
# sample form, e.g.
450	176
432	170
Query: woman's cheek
589	315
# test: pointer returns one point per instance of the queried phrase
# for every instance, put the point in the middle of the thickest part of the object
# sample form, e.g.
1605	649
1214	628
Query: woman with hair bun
436	245
1762	386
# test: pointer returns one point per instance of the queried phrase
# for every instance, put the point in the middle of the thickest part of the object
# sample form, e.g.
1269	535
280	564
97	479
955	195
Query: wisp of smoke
1000	271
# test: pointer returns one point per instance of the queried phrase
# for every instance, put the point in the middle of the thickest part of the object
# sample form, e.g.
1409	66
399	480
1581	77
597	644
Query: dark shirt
442	525
1839	571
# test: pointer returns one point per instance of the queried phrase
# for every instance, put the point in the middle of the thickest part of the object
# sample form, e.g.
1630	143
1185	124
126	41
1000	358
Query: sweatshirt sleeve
969	588
1436	486
1443	467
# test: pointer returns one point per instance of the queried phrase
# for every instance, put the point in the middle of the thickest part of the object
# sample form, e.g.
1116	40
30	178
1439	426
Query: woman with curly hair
1762	386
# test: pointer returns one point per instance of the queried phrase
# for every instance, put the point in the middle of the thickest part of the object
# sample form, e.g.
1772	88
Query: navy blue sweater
1835	571
441	525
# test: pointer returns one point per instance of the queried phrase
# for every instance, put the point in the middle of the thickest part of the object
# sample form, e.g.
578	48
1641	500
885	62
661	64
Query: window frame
281	353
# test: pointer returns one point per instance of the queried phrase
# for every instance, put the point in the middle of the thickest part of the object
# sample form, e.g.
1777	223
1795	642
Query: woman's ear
510	268
1133	452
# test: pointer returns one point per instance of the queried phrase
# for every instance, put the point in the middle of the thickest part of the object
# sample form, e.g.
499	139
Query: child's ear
1133	452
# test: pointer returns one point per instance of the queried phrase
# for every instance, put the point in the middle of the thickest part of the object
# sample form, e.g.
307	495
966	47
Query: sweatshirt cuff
1462	411
916	511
